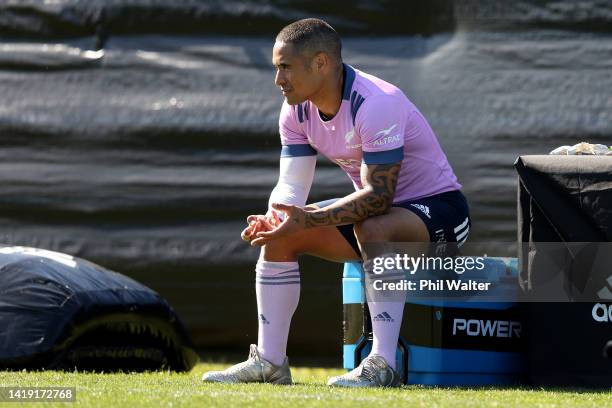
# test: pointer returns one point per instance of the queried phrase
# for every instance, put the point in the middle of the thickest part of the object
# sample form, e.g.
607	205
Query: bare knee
279	250
370	230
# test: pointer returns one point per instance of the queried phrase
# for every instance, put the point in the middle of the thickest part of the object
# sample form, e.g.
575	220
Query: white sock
386	322
386	310
277	285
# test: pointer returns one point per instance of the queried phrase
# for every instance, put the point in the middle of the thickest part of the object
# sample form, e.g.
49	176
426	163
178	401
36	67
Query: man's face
296	75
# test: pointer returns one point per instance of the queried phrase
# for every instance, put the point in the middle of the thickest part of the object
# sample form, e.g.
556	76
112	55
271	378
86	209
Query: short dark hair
312	35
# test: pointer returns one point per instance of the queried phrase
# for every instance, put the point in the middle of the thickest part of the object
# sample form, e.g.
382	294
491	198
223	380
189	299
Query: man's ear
321	61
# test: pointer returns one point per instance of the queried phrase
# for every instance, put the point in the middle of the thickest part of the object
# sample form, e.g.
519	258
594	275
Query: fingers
259	241
277	219
257	223
272	219
252	218
255	228
246	234
261	224
249	232
267	223
265	236
252	228
282	207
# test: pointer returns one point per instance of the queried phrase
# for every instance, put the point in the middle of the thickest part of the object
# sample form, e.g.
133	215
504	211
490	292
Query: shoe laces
254	355
370	366
236	369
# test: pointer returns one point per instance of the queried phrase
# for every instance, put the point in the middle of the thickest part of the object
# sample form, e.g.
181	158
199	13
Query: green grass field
163	389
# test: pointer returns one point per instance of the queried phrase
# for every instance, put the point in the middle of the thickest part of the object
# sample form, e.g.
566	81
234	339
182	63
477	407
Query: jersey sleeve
380	123
293	139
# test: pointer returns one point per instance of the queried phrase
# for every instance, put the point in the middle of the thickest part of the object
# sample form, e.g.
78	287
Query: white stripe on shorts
460	227
463	234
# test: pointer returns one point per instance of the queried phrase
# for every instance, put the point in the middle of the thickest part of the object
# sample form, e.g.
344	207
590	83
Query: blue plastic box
443	342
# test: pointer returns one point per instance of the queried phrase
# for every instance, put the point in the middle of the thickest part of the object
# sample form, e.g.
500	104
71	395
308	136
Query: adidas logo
263	319
383	317
424	209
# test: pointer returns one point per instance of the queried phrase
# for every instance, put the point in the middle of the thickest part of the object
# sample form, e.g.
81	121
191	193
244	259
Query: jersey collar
348	77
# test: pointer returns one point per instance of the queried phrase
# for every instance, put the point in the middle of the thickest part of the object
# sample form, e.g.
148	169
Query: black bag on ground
60	312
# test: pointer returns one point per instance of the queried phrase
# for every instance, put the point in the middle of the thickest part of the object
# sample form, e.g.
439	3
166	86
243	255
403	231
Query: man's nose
279	79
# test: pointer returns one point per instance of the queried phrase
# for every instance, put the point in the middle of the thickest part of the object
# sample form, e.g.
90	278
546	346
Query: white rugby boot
255	369
372	372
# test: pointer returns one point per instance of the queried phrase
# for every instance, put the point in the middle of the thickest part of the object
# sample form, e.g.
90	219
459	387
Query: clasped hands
265	228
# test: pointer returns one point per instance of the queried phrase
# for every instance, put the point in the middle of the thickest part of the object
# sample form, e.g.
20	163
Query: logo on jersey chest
348	138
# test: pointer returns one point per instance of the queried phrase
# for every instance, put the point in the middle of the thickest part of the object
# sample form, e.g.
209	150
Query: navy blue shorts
446	215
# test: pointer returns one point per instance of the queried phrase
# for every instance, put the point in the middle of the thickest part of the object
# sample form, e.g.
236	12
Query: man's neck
329	98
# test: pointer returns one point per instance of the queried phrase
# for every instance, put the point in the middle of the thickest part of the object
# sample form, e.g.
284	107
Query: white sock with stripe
277	285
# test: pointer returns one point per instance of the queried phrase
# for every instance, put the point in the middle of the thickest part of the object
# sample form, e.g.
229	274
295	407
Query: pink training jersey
376	124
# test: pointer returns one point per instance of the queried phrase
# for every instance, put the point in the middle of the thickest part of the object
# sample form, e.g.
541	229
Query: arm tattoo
379	182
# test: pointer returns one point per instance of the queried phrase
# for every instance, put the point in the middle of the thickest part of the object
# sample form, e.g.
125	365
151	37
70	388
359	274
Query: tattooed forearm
379	182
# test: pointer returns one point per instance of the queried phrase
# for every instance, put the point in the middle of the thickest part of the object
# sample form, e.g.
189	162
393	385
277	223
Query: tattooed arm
379	182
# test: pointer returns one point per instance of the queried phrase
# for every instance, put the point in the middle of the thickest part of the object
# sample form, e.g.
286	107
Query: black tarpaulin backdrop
139	134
